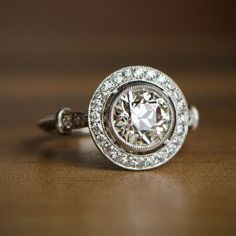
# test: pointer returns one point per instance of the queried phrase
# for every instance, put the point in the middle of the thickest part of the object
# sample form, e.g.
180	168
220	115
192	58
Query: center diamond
141	117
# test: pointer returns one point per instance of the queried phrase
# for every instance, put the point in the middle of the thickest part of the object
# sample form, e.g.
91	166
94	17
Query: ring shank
48	123
193	117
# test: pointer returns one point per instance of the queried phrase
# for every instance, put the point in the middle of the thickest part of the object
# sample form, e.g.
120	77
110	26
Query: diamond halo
108	145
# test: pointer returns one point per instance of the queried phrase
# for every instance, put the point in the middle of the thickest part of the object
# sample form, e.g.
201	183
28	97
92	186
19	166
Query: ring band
64	121
138	118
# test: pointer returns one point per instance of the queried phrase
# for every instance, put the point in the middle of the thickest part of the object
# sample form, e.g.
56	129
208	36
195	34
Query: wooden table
53	185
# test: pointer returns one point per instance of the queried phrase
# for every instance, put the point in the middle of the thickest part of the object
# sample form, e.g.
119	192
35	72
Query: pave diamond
67	121
142	117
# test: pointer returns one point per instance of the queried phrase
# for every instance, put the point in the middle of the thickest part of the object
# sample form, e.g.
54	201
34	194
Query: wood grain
53	54
52	185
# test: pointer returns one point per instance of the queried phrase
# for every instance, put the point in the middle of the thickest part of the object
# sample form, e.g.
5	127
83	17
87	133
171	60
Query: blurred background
53	36
72	41
54	53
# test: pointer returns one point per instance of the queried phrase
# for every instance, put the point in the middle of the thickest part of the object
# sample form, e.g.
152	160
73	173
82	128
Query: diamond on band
64	121
138	118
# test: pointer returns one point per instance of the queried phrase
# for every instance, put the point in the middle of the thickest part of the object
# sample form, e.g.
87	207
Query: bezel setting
147	87
108	88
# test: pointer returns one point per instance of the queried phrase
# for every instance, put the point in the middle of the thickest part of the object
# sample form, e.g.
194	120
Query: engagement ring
138	118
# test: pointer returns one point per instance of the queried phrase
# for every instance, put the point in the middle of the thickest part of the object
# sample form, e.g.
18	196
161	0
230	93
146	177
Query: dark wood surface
53	54
51	185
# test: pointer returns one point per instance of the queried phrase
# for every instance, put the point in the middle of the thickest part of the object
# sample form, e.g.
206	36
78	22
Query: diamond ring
138	118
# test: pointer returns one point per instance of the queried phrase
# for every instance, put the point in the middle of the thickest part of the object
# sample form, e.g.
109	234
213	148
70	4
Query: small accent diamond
67	121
